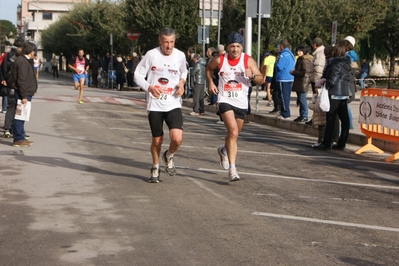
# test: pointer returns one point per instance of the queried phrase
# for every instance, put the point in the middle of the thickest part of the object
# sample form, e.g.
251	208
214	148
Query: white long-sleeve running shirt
164	72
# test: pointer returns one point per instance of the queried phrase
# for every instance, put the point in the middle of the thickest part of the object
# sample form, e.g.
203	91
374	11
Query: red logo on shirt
163	81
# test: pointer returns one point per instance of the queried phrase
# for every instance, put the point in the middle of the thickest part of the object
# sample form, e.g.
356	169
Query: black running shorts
238	113
173	119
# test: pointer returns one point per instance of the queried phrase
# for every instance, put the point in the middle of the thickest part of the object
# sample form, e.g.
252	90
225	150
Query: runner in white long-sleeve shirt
162	74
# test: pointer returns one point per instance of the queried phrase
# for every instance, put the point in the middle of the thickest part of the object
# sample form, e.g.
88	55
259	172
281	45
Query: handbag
322	101
4	91
125	69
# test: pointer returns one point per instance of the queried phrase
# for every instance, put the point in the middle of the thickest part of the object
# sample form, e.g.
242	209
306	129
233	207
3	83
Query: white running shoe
233	176
224	160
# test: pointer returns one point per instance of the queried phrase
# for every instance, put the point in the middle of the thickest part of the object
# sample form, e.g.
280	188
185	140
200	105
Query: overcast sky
8	10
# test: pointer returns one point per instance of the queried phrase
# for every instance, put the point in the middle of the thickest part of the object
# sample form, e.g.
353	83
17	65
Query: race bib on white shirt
232	89
164	86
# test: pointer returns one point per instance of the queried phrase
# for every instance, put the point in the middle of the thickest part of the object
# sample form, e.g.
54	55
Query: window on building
47	16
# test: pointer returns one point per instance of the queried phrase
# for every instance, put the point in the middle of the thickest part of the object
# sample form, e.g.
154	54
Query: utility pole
37	23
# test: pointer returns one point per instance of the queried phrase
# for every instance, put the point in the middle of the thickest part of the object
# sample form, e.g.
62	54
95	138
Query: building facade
34	16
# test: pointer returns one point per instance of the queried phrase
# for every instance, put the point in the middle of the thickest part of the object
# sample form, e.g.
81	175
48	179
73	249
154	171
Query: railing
379	118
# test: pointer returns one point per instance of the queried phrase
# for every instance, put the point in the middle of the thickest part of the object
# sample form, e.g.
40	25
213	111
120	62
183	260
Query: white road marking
314	220
66	99
95	99
125	101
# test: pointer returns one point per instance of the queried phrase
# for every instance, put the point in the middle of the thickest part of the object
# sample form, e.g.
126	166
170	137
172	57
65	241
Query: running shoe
170	168
80	101
154	178
26	136
233	176
224	160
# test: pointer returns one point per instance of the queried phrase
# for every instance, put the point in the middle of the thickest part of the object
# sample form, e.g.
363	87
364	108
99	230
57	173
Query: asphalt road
79	195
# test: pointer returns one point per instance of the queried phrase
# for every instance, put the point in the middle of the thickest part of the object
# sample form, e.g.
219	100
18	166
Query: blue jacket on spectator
285	63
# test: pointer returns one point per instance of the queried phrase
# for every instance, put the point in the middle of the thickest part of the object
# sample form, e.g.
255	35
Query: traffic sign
334	32
133	35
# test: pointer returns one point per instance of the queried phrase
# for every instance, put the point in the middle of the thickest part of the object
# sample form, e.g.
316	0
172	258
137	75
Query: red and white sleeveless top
233	84
80	65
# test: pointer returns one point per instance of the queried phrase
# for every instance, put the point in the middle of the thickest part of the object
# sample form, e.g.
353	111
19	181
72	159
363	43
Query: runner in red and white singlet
236	71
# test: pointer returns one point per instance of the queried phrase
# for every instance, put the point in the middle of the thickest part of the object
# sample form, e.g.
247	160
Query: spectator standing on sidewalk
80	66
319	118
24	82
301	82
349	42
162	74
6	67
95	66
364	72
120	72
284	79
198	73
236	71
319	61
54	66
337	78
191	63
267	71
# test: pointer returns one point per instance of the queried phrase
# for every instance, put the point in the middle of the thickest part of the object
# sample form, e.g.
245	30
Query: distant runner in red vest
236	71
80	66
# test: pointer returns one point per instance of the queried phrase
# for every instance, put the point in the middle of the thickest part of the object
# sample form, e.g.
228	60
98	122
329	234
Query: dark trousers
18	125
95	80
11	104
285	92
276	97
198	98
129	77
55	71
337	108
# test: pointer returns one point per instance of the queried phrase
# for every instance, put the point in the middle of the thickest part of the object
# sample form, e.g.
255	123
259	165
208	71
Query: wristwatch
253	76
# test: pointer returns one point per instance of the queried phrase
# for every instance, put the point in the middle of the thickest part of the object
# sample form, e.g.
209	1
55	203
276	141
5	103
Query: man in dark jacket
24	83
8	61
199	79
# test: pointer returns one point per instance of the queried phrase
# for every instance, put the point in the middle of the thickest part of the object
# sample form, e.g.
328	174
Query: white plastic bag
322	101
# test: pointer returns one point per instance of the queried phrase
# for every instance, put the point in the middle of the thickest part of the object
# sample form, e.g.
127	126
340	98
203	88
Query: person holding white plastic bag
319	118
336	77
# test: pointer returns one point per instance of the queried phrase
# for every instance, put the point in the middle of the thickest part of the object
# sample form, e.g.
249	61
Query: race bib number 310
232	90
